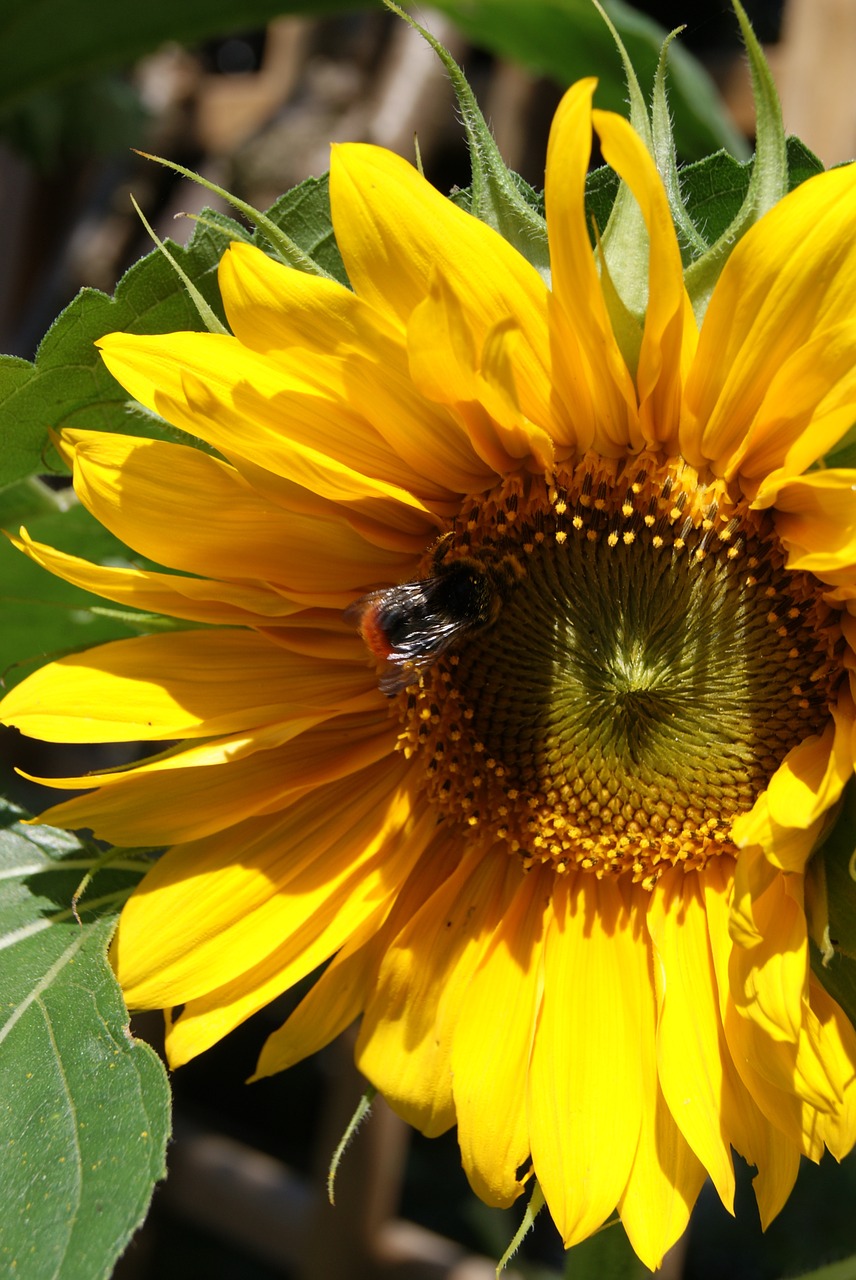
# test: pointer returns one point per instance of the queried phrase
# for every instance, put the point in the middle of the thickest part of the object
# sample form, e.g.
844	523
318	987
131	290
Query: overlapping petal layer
613	1036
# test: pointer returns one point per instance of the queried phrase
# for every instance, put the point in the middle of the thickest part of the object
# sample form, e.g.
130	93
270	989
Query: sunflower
523	691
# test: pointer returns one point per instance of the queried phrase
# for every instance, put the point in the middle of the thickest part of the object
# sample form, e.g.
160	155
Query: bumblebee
409	626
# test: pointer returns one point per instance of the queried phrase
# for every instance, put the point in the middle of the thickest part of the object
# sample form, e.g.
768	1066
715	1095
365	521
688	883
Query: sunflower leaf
42	615
714	189
85	1112
844	1269
68	385
607	1255
844	453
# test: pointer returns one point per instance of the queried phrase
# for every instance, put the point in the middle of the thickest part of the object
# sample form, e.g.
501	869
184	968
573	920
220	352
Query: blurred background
250	93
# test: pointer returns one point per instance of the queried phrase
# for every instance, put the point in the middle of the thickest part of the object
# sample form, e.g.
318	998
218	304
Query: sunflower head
522	690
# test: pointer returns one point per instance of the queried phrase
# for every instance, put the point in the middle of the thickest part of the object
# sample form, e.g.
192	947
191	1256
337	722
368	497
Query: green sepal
666	159
624	244
768	181
496	196
284	248
567	39
204	310
638	110
626	325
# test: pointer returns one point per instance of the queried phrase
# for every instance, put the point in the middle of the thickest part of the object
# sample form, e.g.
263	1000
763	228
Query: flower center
646	665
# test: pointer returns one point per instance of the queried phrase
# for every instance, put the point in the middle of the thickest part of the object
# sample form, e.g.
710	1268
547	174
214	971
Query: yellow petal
810	779
791	277
768	984
778	1162
596	382
221	527
320	327
807	407
585	1082
665	1177
745	1126
492	1045
190	794
664	1182
838	1048
773	970
801	793
196	599
658	376
788	848
405	1041
190	684
343	989
333	1003
281	886
393	228
448	366
258	409
753	1053
816	518
691	1049
761	1142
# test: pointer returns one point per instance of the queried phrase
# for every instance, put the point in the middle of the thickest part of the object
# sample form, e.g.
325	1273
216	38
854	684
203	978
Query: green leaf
567	39
304	212
601	190
715	188
844	454
44	616
29	499
101	115
607	1255
802	163
93	34
843	1270
84	1117
838	853
68	385
839	979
